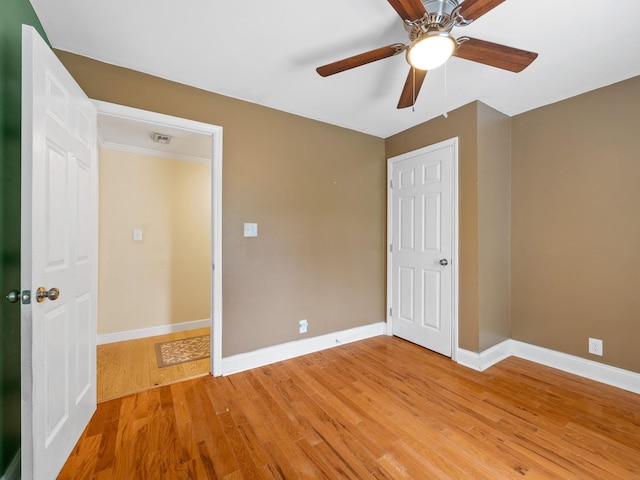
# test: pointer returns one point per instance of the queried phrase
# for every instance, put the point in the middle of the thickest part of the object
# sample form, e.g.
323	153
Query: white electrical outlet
595	346
303	325
250	229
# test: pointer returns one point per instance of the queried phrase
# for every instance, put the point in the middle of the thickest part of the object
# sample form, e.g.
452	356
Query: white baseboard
13	470
285	351
600	372
152	331
597	371
483	360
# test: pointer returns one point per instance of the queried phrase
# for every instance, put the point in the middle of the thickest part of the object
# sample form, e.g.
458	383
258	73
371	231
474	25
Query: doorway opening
160	246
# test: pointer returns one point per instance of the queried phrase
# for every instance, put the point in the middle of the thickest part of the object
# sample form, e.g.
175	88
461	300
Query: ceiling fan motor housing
440	11
441	16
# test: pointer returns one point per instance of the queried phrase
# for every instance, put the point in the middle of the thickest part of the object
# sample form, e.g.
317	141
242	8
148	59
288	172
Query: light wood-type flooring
131	366
381	408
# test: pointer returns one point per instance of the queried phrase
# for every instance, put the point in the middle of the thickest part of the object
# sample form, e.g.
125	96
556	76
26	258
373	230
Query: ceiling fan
429	24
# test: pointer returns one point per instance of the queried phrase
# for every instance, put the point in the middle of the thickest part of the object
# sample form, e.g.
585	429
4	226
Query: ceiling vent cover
161	138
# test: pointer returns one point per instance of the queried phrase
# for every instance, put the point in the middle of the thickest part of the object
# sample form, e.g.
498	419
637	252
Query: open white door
422	237
58	251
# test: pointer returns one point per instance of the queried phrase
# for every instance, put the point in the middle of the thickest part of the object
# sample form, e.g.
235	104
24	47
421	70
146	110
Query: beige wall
165	278
576	224
317	192
463	124
494	180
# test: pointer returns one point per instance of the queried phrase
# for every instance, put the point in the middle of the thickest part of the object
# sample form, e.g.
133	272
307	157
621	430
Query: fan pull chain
445	115
413	106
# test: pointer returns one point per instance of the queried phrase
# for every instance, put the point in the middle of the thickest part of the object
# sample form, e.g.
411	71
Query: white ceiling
266	52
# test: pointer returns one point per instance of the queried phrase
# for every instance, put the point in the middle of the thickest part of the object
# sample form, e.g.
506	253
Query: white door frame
216	206
454	221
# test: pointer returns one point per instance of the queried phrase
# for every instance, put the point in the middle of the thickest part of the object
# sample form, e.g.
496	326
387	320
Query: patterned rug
181	351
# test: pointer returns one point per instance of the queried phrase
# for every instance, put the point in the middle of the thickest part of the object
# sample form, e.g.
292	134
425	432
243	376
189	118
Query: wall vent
161	138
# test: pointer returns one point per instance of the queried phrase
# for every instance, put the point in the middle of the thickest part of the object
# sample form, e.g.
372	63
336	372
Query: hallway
129	367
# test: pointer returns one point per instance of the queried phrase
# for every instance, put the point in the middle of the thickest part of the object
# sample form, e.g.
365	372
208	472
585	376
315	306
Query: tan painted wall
494	180
317	192
576	224
463	124
165	278
483	189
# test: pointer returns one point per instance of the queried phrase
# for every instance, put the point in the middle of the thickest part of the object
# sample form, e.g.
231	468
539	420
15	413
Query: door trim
215	132
453	142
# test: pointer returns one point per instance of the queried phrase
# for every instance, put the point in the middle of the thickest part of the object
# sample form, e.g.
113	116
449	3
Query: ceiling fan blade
361	59
408	9
411	87
474	9
494	54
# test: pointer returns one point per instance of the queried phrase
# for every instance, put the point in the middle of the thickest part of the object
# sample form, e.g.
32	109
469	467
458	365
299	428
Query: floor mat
181	351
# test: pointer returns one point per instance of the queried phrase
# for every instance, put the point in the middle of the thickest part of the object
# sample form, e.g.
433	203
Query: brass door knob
42	294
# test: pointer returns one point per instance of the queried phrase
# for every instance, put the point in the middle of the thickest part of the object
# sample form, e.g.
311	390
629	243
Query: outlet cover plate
303	325
595	346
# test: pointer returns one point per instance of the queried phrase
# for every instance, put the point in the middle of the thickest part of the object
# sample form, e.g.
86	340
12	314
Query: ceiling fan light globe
431	50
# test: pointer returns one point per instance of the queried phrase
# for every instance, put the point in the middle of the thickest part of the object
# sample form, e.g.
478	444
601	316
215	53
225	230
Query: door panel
431	234
431	298
56	379
407	224
422	235
406	290
55	186
84	354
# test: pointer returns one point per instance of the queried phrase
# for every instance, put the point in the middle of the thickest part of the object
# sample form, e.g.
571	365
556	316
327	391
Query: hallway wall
166	277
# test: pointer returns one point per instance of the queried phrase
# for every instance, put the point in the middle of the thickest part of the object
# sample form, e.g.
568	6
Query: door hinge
391	247
390	183
391	312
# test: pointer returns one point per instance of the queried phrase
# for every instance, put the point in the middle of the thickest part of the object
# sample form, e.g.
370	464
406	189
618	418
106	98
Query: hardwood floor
380	409
129	367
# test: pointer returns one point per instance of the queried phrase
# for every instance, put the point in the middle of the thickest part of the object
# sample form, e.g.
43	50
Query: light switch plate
250	229
137	235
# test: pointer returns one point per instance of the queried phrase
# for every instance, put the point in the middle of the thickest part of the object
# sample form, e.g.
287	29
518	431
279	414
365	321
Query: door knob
13	296
42	294
443	262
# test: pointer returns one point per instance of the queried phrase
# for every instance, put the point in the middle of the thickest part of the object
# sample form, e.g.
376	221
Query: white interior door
422	246
59	247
